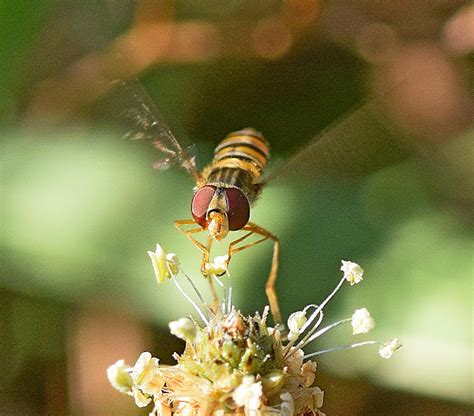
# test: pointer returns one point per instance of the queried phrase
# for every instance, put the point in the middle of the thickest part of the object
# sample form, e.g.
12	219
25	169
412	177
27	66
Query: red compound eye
200	204
238	208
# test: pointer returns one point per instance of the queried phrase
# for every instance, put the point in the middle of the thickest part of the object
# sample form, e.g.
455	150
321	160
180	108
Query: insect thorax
239	161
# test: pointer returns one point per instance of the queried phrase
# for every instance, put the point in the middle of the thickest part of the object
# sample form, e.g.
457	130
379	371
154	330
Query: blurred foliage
20	24
80	208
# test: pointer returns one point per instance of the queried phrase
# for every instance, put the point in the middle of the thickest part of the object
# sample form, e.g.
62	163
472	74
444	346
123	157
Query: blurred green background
81	206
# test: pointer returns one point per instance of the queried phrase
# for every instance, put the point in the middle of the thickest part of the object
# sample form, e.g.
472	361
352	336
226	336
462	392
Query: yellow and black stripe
239	160
247	145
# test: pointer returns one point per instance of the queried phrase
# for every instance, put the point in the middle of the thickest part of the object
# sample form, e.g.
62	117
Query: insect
225	189
229	185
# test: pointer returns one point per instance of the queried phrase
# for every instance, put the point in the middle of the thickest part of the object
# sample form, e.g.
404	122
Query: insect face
220	210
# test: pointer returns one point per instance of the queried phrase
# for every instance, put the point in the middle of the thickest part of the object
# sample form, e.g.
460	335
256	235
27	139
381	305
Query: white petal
183	328
141	400
119	377
159	263
145	369
248	394
287	404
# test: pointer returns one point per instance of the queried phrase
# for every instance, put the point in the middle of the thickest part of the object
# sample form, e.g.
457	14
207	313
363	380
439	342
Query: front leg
205	249
270	285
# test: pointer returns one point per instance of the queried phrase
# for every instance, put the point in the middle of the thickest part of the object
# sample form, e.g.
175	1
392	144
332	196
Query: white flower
145	369
213	374
218	267
248	394
161	409
183	328
361	321
387	349
352	272
164	265
308	373
141	399
308	400
287	405
294	362
120	377
318	397
295	323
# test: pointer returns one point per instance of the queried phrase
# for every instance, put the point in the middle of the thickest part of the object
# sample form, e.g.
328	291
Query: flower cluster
236	364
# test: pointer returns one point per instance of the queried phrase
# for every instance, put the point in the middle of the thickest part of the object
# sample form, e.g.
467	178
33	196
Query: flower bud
272	381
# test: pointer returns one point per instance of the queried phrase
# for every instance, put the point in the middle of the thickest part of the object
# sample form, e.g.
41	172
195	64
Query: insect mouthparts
218	225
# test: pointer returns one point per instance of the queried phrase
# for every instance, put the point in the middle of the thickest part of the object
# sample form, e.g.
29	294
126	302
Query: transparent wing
135	111
361	143
91	37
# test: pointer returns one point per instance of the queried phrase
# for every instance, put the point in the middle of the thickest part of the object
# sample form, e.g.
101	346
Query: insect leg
188	233
233	250
206	249
180	226
205	258
270	285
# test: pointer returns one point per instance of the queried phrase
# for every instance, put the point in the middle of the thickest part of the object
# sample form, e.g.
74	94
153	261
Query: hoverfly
225	189
229	185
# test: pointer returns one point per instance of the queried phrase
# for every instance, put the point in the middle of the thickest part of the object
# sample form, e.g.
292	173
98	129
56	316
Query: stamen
318	310
196	307
325	329
229	300
266	311
303	341
219	281
342	347
224	301
198	293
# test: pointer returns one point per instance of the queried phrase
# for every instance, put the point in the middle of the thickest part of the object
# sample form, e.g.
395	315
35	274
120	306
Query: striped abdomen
248	145
239	160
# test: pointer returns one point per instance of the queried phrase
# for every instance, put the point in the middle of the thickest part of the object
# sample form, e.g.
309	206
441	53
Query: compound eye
238	208
200	204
